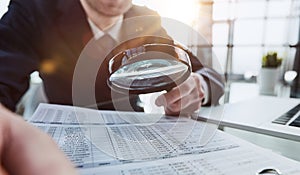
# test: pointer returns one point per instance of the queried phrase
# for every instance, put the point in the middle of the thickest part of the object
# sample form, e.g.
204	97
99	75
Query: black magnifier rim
164	48
175	52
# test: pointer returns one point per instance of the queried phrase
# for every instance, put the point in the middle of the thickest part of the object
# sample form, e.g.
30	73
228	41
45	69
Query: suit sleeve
18	59
214	80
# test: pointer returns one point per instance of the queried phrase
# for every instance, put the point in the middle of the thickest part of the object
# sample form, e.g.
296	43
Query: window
3	6
244	30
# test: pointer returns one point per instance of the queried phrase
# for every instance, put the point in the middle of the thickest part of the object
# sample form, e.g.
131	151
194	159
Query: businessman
49	36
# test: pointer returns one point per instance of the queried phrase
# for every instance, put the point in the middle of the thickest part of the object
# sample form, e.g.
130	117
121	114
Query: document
112	142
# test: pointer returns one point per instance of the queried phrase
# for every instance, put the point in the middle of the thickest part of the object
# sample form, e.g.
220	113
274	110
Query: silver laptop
274	116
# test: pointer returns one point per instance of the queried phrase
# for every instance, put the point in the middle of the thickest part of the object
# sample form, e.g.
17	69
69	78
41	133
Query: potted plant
271	60
269	73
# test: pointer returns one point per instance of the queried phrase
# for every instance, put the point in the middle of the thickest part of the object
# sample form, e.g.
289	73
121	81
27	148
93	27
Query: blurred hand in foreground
25	150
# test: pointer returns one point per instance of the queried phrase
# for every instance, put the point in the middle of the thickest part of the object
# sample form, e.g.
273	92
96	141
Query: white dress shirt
113	31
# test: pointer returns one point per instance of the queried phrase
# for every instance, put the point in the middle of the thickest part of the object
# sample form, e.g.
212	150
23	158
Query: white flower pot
268	80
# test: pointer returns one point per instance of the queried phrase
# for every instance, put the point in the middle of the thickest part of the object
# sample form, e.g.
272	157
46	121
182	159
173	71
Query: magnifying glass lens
150	75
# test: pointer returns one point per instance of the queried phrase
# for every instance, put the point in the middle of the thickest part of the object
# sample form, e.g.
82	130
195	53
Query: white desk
244	91
285	147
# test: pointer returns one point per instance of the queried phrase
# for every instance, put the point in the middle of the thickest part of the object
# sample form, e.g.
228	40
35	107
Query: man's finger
174	95
192	100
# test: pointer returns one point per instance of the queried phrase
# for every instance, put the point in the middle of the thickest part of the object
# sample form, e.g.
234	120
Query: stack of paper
110	142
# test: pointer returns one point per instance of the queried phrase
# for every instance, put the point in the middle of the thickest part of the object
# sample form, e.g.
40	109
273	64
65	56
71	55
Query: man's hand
183	99
25	150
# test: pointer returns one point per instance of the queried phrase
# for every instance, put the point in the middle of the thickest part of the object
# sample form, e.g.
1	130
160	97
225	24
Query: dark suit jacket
49	36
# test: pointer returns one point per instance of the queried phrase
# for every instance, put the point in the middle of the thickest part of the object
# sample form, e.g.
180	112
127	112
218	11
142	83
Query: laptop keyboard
296	122
285	118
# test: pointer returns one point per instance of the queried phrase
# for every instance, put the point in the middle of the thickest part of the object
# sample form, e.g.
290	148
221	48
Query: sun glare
184	11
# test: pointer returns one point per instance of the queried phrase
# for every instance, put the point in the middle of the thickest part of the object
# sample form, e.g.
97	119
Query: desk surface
244	91
285	147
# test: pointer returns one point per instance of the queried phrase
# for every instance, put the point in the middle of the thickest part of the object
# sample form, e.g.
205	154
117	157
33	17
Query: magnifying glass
148	68
269	171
